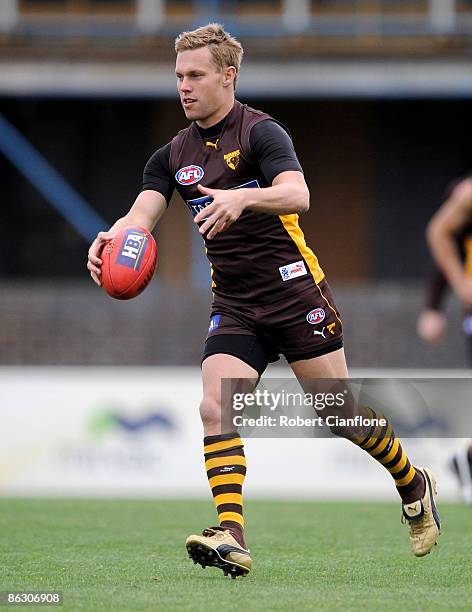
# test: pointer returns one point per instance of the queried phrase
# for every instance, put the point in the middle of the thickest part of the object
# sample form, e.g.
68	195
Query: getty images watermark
274	401
277	408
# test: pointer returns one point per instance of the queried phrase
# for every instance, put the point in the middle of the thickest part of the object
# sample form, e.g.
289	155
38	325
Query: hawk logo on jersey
232	159
189	175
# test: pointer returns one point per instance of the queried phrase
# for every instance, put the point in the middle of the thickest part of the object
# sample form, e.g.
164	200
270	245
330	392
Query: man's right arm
442	233
146	211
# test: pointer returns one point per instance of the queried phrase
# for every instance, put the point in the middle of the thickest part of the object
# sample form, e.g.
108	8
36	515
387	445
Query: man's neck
217	117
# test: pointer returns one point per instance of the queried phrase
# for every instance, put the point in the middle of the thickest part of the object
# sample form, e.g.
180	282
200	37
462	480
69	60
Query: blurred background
377	96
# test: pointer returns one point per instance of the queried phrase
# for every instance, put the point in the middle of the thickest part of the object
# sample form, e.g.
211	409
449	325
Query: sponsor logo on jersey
232	159
254	184
132	249
292	270
214	323
198	204
319	333
189	175
315	316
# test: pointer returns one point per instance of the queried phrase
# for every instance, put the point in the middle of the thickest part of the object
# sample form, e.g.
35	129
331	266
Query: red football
128	262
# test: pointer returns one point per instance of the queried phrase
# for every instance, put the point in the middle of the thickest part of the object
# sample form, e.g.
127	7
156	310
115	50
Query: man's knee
210	411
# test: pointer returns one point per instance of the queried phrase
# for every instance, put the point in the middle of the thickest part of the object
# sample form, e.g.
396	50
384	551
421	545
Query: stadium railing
257	18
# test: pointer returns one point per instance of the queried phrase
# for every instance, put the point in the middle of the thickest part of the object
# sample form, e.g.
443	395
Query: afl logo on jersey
315	316
189	175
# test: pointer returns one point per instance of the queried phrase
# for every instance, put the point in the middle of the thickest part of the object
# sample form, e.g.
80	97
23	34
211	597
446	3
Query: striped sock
381	444
225	465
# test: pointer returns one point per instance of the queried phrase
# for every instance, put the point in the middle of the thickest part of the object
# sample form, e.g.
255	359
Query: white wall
57	438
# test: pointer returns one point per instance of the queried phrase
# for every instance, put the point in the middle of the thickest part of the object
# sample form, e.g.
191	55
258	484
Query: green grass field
130	555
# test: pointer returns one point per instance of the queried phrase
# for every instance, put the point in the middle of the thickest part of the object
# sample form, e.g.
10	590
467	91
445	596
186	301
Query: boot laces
415	525
217	532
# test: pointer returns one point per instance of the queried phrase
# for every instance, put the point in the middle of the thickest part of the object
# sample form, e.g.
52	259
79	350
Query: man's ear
229	75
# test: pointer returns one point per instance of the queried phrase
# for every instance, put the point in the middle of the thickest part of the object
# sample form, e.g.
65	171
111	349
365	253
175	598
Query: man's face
201	86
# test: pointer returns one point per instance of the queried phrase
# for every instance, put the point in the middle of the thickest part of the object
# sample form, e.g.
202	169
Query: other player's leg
461	461
461	465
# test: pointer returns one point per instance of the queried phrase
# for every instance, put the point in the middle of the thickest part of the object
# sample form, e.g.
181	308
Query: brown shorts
306	325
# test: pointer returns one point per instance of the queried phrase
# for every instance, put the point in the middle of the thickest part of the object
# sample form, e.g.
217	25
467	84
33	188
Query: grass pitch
130	555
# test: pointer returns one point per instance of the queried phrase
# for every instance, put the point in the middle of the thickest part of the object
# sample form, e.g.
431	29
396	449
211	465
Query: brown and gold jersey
438	285
261	256
466	247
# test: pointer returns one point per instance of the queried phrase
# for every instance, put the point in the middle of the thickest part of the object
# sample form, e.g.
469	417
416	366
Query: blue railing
55	189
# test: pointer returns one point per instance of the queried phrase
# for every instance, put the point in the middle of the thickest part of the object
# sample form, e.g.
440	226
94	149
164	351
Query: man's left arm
273	151
288	194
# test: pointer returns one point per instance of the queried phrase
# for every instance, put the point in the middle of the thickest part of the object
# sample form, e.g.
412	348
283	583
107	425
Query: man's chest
216	163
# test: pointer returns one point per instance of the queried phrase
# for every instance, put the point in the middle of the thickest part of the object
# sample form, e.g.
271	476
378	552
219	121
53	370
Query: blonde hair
224	48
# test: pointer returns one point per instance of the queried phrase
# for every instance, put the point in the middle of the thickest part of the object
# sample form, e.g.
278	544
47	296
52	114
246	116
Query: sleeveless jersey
261	256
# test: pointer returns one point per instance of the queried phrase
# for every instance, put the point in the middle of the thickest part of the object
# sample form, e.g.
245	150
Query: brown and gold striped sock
381	444
225	465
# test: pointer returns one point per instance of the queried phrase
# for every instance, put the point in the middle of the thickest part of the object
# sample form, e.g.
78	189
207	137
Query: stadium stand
142	28
75	324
